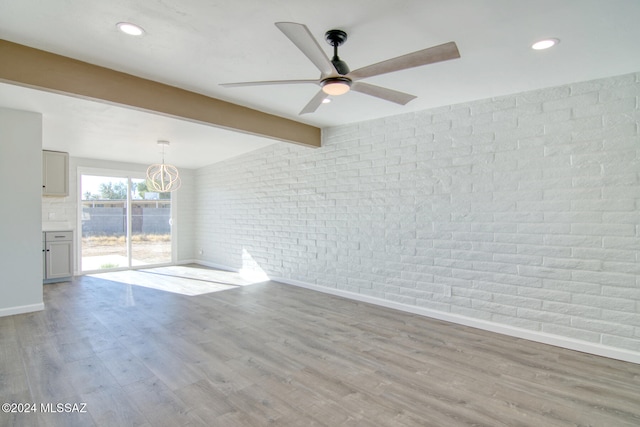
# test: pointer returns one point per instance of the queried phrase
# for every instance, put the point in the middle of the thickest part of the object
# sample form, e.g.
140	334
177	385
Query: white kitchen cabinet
58	255
55	173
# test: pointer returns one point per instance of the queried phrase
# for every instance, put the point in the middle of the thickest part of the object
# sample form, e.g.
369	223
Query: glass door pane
150	225
104	222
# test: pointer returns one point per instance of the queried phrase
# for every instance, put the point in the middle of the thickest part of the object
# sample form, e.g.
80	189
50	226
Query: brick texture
522	210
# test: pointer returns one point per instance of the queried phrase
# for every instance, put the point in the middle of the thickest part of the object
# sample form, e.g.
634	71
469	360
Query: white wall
21	236
518	214
62	212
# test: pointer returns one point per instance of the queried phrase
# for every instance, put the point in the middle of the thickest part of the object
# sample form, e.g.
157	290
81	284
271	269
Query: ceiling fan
336	78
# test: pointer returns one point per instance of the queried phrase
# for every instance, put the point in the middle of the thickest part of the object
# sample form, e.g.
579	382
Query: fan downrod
336	38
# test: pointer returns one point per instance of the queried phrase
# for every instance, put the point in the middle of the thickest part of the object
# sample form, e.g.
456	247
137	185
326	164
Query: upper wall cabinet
55	173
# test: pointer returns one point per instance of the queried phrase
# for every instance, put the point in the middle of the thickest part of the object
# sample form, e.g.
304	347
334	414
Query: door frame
129	175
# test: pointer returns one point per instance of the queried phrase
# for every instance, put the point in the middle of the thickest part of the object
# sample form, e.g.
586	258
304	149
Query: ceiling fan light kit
335	85
336	78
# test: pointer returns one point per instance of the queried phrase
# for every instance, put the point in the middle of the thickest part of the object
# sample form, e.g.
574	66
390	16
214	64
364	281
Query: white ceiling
198	44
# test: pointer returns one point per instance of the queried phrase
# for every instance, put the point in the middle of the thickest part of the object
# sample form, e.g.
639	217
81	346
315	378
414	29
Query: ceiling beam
26	66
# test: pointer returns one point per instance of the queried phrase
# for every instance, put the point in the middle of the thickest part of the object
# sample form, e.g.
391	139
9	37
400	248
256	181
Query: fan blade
300	35
426	56
314	103
382	93
269	82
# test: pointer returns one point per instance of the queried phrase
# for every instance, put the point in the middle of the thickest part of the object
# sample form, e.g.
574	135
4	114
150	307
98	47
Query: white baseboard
210	264
188	261
10	311
537	336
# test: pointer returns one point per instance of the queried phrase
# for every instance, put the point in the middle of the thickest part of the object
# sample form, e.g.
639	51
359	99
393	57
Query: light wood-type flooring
273	354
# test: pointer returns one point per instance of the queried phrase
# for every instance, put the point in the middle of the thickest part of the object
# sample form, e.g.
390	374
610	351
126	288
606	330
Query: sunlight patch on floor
183	280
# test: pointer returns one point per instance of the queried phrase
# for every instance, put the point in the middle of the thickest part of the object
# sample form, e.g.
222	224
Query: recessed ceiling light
326	100
544	44
129	28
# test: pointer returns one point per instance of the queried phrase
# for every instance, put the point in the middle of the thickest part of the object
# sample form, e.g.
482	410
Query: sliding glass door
123	225
150	225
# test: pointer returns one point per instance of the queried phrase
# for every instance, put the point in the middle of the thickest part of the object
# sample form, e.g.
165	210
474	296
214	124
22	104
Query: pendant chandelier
163	178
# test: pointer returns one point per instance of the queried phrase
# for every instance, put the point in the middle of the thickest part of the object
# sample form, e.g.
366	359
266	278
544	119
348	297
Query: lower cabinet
58	255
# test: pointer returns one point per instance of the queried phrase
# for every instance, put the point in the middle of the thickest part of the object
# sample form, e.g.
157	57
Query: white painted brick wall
522	210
